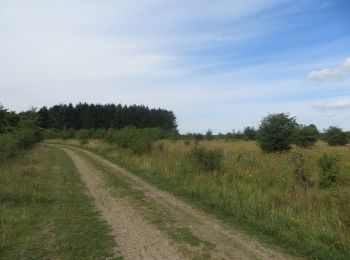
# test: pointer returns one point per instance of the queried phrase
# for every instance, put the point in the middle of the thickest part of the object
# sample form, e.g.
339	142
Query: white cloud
336	73
338	104
346	64
326	74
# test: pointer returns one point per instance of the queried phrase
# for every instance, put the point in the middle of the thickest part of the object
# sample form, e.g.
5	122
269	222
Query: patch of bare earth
138	239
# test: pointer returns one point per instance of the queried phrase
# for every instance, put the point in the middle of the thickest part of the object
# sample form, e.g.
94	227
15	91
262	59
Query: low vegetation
335	136
45	212
288	186
287	198
17	132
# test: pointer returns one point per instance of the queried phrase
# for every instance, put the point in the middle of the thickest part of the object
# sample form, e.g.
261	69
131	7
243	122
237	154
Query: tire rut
136	238
228	243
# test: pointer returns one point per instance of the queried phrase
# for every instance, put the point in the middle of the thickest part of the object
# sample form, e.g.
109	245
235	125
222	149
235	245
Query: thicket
17	132
109	116
136	140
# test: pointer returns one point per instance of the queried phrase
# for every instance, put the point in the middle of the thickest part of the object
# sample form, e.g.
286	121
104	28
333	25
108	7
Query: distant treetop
89	116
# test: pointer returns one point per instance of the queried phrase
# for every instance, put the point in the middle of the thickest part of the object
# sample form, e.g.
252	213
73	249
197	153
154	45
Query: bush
206	160
67	134
138	141
329	165
276	132
83	134
11	143
209	135
249	133
8	146
99	134
335	136
50	133
305	136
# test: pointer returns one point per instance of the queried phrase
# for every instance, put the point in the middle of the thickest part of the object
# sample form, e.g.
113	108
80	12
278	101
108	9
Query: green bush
8	146
249	133
305	136
335	136
330	167
50	133
12	142
276	132
67	134
83	134
136	140
206	160
99	134
209	135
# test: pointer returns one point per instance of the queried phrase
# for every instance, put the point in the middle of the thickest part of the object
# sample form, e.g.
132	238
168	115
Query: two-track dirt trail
203	236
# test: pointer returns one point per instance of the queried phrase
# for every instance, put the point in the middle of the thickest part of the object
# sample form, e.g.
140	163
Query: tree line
108	116
277	132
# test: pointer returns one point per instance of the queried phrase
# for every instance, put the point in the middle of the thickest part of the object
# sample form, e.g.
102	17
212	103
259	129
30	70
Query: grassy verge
256	192
45	211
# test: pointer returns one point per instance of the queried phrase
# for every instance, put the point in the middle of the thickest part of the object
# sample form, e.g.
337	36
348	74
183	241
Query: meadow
258	192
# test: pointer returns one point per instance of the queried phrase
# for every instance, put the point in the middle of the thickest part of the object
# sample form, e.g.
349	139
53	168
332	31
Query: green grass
256	192
45	211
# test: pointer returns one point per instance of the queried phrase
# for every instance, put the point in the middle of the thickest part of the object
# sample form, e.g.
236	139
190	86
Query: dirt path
139	239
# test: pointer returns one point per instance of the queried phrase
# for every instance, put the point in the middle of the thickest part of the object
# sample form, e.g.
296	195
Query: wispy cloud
338	104
221	64
331	73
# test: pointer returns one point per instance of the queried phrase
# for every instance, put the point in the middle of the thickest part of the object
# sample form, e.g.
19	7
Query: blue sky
219	64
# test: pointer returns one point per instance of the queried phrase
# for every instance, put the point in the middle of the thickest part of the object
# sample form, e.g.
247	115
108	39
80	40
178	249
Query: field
254	191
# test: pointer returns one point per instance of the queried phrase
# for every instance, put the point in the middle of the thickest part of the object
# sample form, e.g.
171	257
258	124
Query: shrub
67	134
276	132
99	134
50	133
209	135
329	165
198	137
8	146
11	143
83	134
305	136
137	140
249	133
335	136
206	160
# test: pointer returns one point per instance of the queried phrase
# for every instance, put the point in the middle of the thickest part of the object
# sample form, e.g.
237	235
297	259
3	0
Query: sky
219	65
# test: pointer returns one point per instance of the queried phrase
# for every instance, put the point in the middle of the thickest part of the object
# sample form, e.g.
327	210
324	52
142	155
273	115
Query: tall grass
256	191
